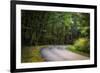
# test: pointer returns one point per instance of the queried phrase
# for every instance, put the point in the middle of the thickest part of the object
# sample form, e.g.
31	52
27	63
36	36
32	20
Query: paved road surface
59	53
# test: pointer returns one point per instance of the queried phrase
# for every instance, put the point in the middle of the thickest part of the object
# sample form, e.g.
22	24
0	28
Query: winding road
59	53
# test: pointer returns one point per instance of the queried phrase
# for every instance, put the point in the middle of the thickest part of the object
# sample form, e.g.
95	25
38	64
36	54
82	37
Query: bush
82	44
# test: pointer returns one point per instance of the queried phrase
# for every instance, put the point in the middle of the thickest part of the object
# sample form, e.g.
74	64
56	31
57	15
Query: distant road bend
59	53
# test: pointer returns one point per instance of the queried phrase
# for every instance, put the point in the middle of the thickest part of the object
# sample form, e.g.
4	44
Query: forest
42	28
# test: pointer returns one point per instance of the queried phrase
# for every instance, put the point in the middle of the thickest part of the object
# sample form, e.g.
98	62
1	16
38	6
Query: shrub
82	44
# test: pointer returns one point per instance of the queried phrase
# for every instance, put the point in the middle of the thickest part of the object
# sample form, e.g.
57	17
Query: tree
49	28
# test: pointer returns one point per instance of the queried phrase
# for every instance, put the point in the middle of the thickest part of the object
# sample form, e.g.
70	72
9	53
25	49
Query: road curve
59	53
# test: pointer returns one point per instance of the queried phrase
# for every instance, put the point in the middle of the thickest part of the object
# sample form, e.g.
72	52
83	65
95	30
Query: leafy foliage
42	27
82	44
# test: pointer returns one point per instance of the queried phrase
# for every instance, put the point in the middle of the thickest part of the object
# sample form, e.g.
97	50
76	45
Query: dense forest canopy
54	28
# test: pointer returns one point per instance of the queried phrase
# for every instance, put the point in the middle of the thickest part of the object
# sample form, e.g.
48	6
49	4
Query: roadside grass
31	54
74	49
